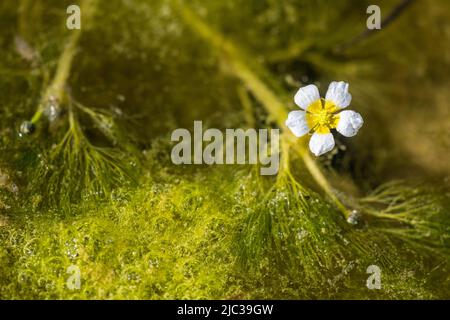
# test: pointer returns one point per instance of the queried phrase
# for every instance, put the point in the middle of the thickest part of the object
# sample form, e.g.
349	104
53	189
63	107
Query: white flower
319	116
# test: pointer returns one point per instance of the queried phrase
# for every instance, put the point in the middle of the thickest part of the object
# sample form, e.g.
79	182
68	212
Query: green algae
139	227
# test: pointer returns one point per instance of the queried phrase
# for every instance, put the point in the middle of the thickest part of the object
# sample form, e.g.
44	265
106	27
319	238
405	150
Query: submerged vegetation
86	178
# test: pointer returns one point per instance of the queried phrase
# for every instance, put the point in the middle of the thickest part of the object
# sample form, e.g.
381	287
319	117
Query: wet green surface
95	187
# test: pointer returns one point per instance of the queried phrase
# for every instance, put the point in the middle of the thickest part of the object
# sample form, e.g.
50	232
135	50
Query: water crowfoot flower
319	116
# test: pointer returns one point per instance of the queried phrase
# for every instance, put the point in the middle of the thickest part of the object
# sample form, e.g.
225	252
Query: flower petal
296	121
338	94
349	123
305	96
321	143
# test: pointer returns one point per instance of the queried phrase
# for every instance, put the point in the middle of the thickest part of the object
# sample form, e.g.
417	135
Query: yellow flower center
321	116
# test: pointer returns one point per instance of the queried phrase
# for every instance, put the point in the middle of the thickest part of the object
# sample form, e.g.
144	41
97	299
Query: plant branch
367	33
56	90
273	105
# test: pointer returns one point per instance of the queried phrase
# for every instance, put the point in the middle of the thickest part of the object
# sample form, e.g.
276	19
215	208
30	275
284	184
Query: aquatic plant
86	177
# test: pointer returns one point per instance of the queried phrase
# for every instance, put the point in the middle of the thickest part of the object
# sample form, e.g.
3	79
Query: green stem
323	182
56	90
247	106
273	105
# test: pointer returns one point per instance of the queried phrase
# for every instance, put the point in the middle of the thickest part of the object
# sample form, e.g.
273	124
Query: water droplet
354	217
52	111
153	263
27	128
302	234
14	188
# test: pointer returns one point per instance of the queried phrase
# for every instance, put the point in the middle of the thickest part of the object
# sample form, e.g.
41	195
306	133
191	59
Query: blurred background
147	66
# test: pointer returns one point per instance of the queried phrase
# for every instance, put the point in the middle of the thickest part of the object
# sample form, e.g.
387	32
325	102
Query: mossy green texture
96	188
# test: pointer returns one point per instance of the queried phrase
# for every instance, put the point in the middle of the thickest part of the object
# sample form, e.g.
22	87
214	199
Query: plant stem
323	182
273	105
56	90
246	105
393	15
